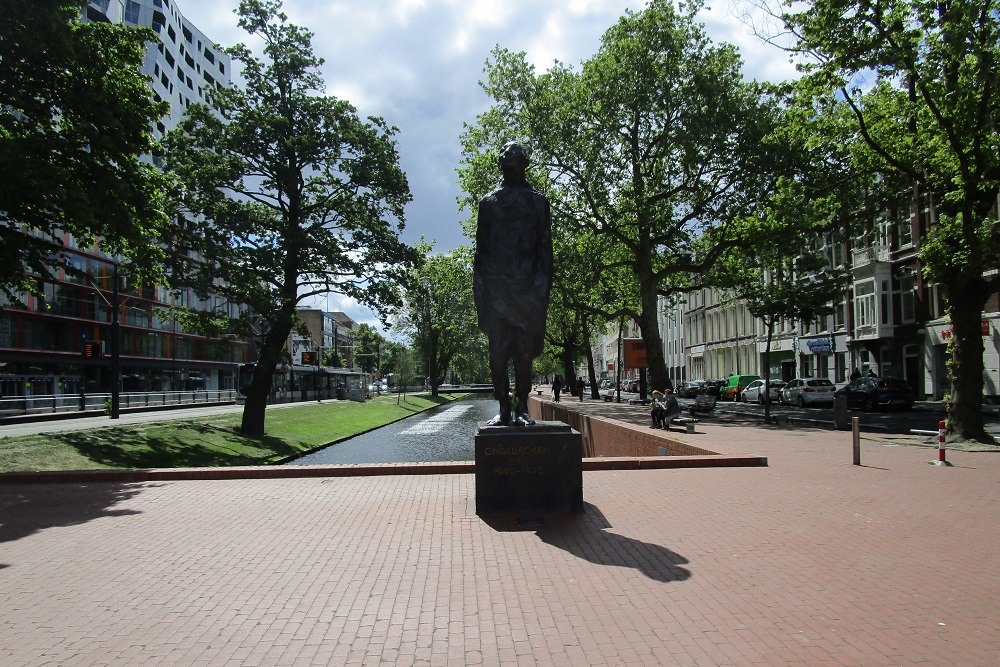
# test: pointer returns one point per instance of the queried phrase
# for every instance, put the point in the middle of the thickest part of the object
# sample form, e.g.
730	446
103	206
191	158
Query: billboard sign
635	353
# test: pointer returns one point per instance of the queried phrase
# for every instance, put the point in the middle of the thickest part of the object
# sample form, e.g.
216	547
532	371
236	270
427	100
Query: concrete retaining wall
609	437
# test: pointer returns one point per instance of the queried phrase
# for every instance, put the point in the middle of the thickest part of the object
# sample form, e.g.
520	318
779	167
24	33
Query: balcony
866	256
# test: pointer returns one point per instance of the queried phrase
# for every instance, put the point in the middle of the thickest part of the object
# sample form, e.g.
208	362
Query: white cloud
418	62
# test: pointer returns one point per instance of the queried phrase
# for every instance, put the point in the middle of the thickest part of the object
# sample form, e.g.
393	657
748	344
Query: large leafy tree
76	117
653	146
440	313
292	194
921	78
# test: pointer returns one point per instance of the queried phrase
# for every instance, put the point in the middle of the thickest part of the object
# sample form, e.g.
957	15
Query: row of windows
25	332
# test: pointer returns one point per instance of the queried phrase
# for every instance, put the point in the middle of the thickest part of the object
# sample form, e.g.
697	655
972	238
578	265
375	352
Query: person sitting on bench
657	411
665	408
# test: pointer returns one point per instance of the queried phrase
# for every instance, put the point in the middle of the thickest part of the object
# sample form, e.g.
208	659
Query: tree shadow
28	509
585	536
186	445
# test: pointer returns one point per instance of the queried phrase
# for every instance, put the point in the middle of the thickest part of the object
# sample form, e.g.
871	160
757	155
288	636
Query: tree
76	117
921	79
292	195
654	146
368	348
440	313
785	277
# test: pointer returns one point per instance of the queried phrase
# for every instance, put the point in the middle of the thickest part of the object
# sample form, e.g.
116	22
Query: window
907	304
884	295
904	231
864	304
173	37
132	12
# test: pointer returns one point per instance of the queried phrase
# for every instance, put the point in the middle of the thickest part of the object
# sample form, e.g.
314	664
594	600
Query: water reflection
444	433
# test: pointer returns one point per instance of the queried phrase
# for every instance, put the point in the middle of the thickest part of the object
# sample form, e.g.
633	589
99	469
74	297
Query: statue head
513	161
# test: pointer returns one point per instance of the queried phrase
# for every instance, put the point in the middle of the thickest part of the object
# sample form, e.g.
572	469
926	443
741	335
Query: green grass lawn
208	441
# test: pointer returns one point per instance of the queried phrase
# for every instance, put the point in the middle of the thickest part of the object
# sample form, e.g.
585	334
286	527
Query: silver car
806	391
754	392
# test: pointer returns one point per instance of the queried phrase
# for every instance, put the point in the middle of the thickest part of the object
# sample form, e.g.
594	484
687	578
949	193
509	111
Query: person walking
557	386
579	387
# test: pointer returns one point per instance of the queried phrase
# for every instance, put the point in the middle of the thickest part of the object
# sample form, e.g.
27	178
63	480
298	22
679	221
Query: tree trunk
658	377
569	371
767	371
965	368
594	390
255	407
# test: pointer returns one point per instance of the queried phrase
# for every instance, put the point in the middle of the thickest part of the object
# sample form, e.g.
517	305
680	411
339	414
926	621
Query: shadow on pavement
585	536
28	509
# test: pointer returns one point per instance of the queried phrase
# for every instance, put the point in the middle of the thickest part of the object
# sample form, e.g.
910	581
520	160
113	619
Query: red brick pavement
808	561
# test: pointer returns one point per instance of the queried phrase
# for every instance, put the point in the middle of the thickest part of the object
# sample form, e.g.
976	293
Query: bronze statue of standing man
511	279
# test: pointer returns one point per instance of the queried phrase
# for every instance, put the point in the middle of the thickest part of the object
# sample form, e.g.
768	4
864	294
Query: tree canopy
76	119
920	78
439	313
653	147
289	193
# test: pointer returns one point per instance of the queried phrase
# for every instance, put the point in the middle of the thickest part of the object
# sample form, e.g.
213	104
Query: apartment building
327	331
890	320
43	345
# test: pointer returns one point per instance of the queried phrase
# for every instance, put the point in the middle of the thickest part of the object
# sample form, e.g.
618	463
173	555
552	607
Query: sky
418	63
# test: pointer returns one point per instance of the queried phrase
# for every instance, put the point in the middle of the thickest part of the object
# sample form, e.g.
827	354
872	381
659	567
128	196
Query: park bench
704	403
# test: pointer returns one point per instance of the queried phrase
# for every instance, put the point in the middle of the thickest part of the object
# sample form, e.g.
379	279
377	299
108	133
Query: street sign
93	349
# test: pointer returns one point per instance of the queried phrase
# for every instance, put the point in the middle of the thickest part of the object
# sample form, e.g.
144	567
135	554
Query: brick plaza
807	561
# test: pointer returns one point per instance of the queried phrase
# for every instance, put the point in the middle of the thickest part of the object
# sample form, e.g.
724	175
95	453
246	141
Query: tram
294	382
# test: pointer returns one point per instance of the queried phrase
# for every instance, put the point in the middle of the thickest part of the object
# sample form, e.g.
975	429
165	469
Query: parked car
689	389
806	391
873	393
714	386
754	393
735	385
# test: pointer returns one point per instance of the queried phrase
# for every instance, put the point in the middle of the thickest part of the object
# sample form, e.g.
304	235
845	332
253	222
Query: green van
735	386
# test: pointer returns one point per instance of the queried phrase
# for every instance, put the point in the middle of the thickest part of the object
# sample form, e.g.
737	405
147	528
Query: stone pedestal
531	470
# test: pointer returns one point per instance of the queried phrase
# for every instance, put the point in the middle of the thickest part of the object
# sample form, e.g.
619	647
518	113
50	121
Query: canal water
445	433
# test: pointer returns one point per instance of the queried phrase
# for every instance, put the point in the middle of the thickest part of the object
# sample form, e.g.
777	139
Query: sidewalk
808	561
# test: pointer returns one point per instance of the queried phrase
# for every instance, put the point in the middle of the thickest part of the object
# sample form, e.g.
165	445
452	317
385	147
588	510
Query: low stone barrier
604	437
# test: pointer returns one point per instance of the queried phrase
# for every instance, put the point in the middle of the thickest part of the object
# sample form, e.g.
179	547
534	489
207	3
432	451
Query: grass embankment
207	441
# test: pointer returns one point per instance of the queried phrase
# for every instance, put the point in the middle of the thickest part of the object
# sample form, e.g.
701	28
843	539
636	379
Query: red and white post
942	427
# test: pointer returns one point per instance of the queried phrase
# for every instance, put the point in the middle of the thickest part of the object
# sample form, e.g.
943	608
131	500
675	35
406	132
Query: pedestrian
579	387
872	373
557	386
657	411
856	374
671	408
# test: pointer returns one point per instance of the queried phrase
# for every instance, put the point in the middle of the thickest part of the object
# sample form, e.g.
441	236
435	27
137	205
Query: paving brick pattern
809	561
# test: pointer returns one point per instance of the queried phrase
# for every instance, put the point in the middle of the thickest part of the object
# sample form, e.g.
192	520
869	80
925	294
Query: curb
362	470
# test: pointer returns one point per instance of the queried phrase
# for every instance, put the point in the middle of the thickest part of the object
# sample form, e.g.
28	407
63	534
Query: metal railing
36	405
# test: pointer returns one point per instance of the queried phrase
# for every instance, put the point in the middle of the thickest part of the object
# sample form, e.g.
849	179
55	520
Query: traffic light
93	349
308	358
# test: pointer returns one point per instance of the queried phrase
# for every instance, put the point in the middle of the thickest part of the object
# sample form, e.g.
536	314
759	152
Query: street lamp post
116	365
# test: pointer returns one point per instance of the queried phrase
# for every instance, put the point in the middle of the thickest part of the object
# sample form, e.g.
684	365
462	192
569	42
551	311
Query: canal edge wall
608	437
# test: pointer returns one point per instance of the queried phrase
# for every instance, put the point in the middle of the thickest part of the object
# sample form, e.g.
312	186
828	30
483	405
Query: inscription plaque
537	470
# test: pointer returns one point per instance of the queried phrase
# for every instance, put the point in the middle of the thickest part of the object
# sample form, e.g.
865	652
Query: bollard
942	427
856	428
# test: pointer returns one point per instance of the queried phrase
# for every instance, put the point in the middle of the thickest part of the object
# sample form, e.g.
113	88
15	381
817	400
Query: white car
806	391
754	392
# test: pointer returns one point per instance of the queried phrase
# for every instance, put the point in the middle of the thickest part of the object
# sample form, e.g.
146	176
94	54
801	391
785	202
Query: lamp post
116	365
